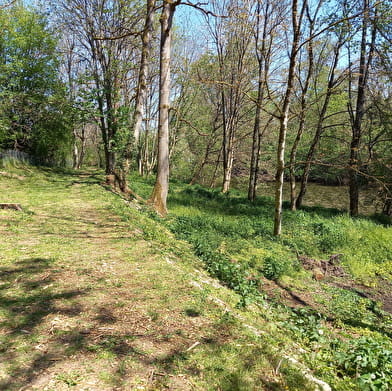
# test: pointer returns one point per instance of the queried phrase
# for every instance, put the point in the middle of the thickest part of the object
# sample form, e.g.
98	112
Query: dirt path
85	301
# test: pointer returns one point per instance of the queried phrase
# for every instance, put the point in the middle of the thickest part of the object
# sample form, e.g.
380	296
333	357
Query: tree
297	18
269	17
304	86
133	139
141	91
34	110
105	32
332	82
232	39
368	34
159	194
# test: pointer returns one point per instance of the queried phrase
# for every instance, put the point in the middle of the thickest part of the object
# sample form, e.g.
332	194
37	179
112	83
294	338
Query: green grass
94	292
90	286
233	239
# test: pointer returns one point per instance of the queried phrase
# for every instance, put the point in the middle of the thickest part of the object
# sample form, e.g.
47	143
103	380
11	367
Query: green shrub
369	361
329	235
235	275
275	267
306	325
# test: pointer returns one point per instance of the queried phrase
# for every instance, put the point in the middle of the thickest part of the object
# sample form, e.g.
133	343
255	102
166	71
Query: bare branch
126	35
7	5
199	7
330	26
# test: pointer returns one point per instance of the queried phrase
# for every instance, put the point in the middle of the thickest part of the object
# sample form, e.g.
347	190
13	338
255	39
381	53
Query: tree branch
199	7
7	5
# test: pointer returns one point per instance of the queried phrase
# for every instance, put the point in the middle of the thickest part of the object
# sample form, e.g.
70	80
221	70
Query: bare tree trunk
293	157
364	65
301	127
319	127
142	82
141	92
232	41
82	147
256	142
284	117
229	164
159	195
262	74
225	140
75	151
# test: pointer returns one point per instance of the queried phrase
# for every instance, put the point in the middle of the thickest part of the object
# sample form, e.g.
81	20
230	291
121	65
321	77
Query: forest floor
95	295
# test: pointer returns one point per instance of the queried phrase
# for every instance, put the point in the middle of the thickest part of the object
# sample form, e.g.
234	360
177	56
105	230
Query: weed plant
346	339
233	238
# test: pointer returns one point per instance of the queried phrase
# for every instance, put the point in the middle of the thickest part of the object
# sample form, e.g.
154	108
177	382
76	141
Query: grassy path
85	301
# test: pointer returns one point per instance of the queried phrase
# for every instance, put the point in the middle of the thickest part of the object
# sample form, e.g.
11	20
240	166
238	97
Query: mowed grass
95	295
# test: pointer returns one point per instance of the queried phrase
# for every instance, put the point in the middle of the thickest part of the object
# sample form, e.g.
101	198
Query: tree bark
284	117
228	167
75	151
256	144
365	60
319	127
142	82
301	127
159	195
262	74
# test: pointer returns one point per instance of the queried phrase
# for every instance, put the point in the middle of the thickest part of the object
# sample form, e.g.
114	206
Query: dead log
11	206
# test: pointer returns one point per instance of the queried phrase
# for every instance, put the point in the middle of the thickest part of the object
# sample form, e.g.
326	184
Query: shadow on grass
62	175
255	366
30	346
235	203
26	299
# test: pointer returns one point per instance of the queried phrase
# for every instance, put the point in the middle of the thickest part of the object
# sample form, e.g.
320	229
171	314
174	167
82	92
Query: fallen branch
8	175
11	206
193	346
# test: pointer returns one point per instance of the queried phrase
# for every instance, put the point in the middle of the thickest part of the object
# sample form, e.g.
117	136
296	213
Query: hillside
98	294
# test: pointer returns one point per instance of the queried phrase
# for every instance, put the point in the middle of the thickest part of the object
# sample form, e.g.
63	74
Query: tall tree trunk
82	148
284	117
301	127
225	140
365	60
110	102
293	157
319	126
142	82
141	93
256	141
159	194
262	73
229	163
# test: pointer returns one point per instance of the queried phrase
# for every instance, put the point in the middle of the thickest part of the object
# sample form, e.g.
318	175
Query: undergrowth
233	238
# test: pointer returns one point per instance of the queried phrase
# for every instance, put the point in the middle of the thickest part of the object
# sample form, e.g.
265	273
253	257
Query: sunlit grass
78	230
